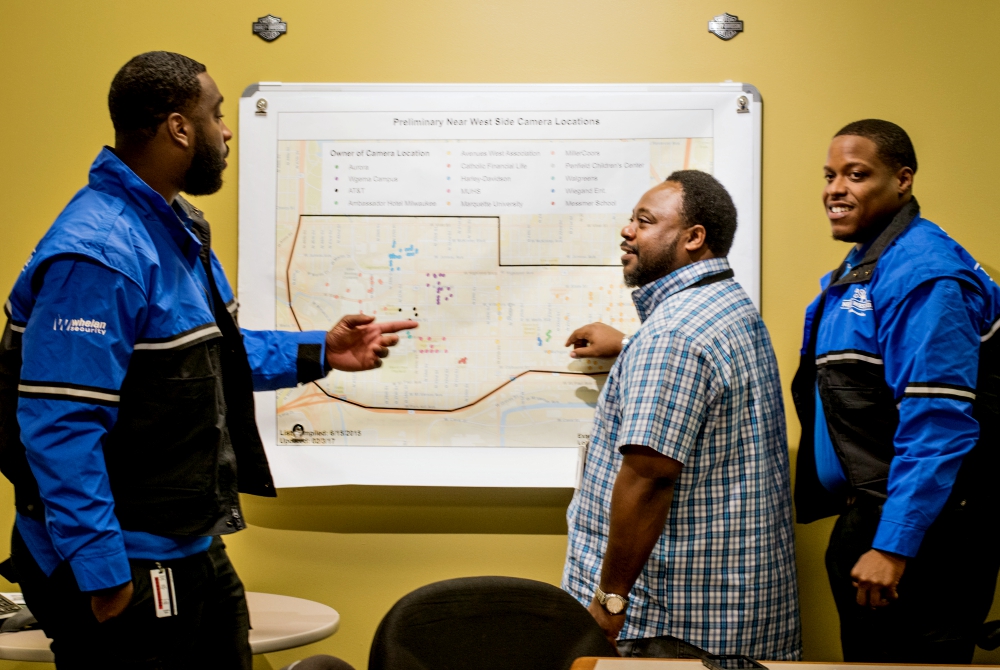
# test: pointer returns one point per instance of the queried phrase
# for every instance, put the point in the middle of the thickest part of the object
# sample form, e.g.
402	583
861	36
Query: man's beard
204	176
656	268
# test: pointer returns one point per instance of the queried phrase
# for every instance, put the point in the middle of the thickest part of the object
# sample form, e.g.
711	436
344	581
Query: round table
279	622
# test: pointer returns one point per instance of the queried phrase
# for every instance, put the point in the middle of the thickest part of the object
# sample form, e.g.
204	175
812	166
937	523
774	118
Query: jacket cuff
897	538
310	361
94	573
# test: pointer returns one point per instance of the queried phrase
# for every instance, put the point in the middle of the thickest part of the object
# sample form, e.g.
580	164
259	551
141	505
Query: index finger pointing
396	326
577	335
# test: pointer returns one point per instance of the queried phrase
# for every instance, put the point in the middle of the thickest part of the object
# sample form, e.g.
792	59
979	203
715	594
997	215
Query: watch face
615	604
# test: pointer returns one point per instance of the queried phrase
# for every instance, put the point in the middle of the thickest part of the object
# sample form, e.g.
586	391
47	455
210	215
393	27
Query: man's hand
595	340
110	603
611	624
876	575
356	343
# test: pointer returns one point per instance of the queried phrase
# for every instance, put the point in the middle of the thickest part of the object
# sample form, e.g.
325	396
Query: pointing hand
595	340
357	343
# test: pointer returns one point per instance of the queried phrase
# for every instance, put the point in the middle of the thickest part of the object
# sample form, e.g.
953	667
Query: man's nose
628	232
836	186
227	134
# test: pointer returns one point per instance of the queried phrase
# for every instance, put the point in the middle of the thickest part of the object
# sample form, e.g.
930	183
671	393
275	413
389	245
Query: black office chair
989	636
486	623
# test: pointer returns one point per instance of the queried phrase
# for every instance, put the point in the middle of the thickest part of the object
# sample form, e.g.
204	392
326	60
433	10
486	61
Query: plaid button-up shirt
698	383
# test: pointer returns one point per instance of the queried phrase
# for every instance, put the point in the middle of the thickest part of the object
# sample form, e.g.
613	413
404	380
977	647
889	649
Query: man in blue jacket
897	396
126	394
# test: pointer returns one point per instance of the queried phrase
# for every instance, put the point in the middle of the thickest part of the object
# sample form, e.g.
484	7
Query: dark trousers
210	629
945	593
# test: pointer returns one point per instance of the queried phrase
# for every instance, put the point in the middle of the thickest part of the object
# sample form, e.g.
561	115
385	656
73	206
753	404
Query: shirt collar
647	298
110	174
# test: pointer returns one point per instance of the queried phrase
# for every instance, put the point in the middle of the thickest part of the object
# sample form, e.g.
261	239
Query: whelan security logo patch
80	325
857	303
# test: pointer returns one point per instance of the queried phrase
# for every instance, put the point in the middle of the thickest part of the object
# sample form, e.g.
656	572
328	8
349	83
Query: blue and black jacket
901	348
126	384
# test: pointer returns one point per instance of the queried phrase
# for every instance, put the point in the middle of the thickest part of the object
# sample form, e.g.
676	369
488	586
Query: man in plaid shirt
682	524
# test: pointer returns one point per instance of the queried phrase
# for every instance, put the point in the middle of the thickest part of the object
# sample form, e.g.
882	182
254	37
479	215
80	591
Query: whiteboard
488	213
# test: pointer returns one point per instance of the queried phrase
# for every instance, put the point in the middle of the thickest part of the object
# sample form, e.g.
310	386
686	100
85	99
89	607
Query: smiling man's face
862	193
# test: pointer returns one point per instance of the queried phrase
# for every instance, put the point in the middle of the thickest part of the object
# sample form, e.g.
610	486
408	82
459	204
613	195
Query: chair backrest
486	623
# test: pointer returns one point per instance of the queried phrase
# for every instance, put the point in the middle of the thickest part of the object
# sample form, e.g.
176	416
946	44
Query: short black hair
708	203
891	142
148	89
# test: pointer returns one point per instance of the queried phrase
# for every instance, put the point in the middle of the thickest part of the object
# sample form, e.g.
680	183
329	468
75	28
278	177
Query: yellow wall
928	65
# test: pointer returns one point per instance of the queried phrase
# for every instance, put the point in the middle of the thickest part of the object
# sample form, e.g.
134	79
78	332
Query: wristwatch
611	602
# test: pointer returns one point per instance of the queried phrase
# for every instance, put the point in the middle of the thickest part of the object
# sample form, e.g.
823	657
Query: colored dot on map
553	153
449	164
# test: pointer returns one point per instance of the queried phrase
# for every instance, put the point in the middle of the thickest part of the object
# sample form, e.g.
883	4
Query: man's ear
695	238
179	130
904	176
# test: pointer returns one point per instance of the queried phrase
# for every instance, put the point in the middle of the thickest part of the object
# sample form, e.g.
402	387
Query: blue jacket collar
109	174
647	298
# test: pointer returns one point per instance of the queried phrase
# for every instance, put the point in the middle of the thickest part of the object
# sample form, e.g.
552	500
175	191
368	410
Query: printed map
496	296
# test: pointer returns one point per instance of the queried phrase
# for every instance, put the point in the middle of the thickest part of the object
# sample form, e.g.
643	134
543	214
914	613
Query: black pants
944	596
210	629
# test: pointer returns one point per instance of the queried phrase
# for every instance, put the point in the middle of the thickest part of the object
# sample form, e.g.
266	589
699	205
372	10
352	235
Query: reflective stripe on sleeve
193	336
991	332
939	390
64	391
849	355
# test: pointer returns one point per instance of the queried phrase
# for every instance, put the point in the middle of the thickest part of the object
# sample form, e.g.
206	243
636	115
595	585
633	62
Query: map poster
499	233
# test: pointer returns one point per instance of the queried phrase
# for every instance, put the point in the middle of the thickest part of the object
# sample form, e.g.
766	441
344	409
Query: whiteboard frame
544	467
